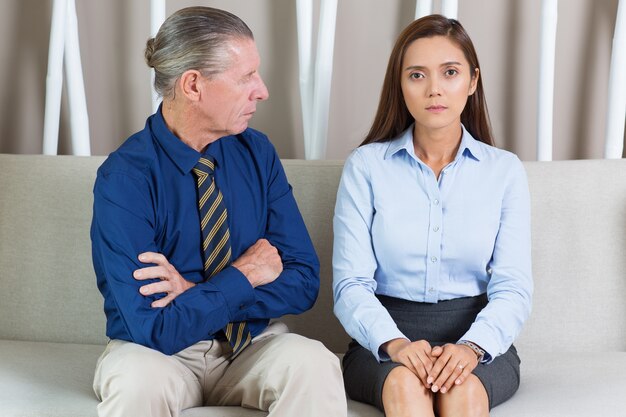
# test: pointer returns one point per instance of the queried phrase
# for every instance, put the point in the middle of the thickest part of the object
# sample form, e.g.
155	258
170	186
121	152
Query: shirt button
436	202
436	229
433	259
431	290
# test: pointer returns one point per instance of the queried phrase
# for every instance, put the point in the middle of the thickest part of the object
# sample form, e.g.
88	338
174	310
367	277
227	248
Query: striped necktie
216	241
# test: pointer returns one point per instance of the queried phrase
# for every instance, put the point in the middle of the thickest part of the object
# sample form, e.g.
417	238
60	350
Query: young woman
432	269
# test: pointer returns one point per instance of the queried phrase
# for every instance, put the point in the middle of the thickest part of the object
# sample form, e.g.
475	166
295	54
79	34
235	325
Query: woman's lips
436	108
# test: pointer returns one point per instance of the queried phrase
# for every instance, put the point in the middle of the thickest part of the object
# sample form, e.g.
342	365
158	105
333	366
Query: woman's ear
474	82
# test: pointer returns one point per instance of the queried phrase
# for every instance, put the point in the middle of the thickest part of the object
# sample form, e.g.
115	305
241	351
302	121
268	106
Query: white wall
505	33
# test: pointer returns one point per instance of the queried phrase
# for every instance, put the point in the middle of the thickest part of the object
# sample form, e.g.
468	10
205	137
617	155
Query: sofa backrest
579	256
47	285
48	291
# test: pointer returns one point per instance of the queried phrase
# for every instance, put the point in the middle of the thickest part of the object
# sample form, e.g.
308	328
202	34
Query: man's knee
306	351
134	373
300	356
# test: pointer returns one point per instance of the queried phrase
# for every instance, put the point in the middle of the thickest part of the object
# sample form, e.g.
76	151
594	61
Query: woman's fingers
452	367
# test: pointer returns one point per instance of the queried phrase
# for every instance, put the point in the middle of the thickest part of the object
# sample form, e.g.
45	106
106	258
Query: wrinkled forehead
241	55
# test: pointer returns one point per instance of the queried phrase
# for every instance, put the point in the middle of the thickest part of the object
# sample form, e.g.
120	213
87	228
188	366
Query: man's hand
453	365
172	283
414	355
261	263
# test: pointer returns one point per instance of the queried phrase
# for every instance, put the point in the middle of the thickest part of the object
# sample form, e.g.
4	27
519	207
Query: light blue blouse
400	232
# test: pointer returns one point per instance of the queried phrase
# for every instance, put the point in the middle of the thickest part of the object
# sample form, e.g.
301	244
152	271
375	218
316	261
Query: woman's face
436	82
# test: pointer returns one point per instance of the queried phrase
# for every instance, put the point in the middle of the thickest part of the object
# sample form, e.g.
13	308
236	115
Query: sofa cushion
47	379
54	380
569	385
40	379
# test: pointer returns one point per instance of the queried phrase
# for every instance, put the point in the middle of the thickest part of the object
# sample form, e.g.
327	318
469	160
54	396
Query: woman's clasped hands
439	368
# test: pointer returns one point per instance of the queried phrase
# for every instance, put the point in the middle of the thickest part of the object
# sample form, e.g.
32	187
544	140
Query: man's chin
239	129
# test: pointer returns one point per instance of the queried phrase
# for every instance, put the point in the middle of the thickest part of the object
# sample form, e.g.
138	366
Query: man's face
229	98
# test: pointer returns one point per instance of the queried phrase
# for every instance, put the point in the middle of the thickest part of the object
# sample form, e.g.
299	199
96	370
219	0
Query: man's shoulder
253	146
133	158
256	140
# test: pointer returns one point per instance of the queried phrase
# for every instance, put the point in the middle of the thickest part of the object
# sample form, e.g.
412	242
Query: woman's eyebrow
420	67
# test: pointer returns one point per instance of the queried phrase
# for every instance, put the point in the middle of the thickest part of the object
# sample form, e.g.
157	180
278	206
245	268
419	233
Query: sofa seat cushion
47	379
54	380
569	385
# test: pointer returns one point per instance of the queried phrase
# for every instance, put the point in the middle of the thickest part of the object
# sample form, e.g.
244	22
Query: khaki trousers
286	375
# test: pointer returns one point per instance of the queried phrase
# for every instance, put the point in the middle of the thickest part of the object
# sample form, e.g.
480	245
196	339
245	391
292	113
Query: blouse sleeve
510	286
354	262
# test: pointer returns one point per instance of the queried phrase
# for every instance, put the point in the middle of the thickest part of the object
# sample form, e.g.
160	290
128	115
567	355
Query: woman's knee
405	395
401	381
466	400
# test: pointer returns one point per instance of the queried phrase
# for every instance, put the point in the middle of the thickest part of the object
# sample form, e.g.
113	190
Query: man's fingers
162	302
152	258
151	272
155	288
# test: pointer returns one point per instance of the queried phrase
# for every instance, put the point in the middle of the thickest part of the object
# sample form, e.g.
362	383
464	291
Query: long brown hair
393	117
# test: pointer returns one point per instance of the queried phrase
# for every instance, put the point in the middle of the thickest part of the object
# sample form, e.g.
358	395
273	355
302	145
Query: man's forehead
243	54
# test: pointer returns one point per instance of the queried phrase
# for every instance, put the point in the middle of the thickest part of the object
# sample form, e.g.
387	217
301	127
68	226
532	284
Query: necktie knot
204	169
206	164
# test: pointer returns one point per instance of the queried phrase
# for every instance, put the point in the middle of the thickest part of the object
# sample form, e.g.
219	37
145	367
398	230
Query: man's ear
474	82
190	84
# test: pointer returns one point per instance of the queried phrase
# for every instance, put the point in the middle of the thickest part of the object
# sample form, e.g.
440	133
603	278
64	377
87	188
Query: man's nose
260	92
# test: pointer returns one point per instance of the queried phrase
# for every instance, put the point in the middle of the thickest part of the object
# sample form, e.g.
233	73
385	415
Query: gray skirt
440	323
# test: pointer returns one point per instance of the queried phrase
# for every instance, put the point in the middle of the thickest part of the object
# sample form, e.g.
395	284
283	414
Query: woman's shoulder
373	149
366	155
500	163
497	155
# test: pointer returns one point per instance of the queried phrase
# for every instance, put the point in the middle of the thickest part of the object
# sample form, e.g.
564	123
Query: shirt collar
183	156
405	142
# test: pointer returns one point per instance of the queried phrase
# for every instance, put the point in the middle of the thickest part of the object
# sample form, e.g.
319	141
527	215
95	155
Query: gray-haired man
197	243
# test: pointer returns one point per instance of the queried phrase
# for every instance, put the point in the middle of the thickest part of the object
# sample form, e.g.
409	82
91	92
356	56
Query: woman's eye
416	75
451	72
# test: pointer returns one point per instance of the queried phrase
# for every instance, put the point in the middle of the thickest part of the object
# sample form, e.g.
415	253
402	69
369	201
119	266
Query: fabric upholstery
573	348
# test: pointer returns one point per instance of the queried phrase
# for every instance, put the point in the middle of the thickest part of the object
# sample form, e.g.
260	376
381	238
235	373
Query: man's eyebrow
249	74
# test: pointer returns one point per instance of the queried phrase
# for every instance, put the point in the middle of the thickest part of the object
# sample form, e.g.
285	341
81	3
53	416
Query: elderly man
198	243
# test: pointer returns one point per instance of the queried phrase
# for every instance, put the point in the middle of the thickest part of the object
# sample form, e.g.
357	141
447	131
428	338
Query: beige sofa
573	348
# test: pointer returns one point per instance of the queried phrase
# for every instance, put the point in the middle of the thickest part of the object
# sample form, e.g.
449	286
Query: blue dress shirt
145	199
401	232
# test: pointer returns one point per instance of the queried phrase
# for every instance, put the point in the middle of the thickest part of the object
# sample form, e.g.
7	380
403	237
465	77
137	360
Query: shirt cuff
380	339
236	289
481	336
